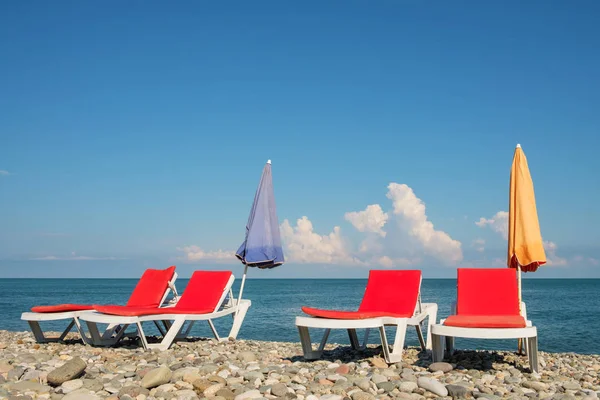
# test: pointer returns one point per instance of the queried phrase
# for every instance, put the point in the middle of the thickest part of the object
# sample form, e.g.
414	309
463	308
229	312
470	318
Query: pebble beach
248	369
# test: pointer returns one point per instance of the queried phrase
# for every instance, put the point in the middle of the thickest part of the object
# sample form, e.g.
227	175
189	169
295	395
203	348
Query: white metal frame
112	334
173	324
443	334
391	354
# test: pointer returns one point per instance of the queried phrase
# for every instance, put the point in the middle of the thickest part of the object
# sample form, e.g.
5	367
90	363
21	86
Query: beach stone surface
206	369
70	370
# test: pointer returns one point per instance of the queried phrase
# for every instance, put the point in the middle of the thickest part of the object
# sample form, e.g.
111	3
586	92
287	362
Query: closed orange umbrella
525	247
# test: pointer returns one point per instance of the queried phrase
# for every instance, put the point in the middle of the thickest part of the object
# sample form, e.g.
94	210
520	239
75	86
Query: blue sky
133	135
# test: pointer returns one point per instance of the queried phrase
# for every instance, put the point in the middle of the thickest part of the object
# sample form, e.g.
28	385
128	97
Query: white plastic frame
172	324
112	334
391	355
442	334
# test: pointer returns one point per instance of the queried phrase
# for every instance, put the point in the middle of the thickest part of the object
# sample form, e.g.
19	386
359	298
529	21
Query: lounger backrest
205	290
151	288
487	291
393	291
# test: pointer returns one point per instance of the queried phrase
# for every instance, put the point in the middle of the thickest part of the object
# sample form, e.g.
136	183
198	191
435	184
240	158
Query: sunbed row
487	307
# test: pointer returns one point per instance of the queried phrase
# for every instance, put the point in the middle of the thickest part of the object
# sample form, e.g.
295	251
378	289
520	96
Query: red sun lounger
151	291
487	307
392	297
204	298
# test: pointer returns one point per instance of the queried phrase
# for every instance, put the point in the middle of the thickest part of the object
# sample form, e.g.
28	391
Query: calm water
566	312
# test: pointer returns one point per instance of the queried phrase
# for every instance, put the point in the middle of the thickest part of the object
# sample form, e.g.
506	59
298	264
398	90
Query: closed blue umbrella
262	245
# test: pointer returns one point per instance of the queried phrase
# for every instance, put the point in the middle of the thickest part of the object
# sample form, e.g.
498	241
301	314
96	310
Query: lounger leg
185	333
449	345
95	337
431	320
238	319
142	335
366	339
384	344
354	343
309	353
37	332
214	330
533	353
396	354
420	336
160	329
438	348
170	336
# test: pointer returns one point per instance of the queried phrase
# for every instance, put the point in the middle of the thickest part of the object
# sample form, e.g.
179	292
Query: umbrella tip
518	146
268	161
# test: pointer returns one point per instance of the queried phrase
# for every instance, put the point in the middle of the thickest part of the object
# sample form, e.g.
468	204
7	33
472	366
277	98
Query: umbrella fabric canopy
525	247
262	246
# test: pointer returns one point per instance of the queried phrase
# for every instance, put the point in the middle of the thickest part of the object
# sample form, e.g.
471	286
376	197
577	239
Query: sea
566	312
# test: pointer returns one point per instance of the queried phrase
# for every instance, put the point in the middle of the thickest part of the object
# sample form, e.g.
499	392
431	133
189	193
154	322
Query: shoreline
250	369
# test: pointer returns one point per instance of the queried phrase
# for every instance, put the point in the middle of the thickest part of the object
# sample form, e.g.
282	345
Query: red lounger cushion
487	298
332	314
487	291
486	321
388	294
148	292
127	311
62	308
201	296
151	287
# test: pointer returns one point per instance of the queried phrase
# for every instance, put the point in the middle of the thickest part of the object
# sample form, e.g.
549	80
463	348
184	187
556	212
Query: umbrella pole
241	289
520	347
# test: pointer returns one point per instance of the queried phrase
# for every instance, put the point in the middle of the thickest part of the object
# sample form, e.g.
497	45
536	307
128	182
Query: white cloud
195	253
303	245
498	223
4	172
479	245
411	213
404	243
371	219
551	258
75	257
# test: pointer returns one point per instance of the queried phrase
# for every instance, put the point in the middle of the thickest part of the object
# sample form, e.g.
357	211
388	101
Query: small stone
325	382
113	386
279	390
72	385
377	378
386	386
489	396
15	373
342	369
226	394
5	366
251	394
213	389
156	377
331	397
81	394
201	385
247	356
363	384
28	386
133	391
537	386
571	385
457	391
186	395
70	370
362	396
440	366
407	387
379	362
433	386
